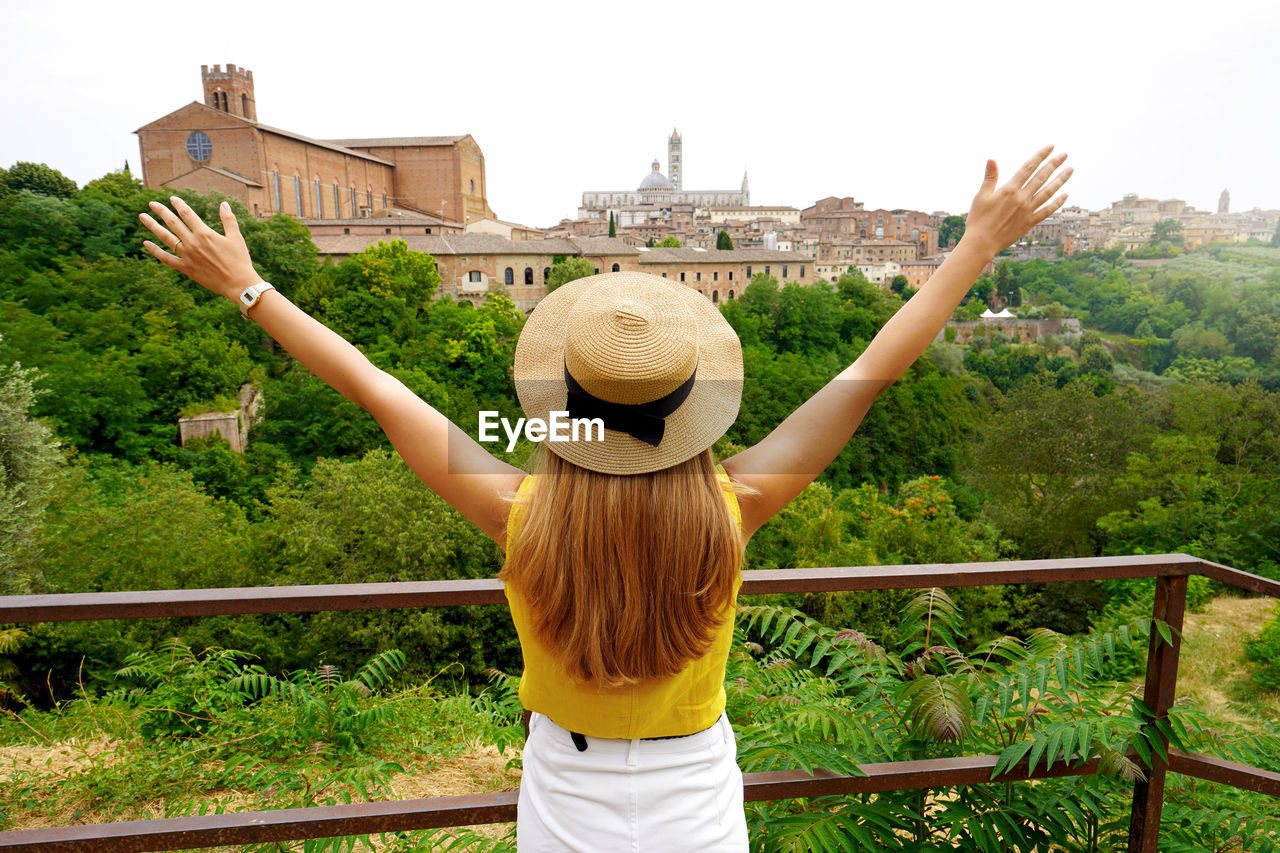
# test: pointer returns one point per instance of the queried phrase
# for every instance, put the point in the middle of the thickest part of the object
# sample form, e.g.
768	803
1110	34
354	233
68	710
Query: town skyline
1154	105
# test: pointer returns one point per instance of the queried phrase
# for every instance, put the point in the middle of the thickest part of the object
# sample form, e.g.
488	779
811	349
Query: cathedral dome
655	180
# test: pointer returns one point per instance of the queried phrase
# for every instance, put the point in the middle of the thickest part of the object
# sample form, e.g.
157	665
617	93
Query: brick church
220	145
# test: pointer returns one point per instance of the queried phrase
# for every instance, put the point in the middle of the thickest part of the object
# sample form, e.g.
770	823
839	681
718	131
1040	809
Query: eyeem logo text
560	427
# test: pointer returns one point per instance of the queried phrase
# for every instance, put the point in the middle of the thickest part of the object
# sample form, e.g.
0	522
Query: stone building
472	265
657	194
845	218
219	144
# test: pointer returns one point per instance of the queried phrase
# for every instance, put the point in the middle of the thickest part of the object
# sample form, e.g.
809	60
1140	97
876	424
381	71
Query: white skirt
630	796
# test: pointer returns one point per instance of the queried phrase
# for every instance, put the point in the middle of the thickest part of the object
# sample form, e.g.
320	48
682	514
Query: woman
624	551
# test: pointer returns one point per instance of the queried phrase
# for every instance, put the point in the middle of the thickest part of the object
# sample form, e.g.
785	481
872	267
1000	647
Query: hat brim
707	413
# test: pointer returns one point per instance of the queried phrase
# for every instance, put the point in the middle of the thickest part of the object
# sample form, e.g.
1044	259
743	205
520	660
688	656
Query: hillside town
432	193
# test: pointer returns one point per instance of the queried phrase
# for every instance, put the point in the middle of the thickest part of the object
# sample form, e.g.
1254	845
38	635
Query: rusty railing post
1161	683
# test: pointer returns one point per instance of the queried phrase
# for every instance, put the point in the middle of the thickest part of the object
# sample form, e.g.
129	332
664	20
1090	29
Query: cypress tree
613	229
723	240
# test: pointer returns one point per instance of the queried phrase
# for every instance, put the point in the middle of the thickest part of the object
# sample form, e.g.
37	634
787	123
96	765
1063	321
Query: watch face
249	296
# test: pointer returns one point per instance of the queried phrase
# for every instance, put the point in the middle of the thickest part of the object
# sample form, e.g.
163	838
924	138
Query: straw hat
655	360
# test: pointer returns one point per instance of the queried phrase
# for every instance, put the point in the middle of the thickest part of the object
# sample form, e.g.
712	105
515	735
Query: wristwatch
251	295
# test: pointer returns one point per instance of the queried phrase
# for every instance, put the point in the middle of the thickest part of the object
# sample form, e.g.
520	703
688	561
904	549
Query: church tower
746	190
230	91
674	146
1224	202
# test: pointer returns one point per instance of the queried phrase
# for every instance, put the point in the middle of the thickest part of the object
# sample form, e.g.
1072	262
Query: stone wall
232	426
1014	328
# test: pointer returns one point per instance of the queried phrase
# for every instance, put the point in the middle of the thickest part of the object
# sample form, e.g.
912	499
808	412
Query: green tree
114	526
373	520
29	458
898	283
569	270
1275	238
670	243
1096	359
281	247
1166	231
723	240
1257	338
950	231
613	228
1006	286
39	178
1048	458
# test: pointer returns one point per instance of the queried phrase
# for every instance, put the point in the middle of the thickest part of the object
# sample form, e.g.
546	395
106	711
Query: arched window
473	186
715	296
528	275
368	197
730	294
244	105
616	268
319	199
509	276
297	193
337	202
275	190
354	205
384	198
546	273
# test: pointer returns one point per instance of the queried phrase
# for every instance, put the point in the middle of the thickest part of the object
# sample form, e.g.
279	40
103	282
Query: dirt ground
481	770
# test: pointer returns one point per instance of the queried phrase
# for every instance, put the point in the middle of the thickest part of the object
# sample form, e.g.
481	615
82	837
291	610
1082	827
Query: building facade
220	145
657	194
473	265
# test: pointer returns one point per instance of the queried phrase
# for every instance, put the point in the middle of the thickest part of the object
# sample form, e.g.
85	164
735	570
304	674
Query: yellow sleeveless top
680	704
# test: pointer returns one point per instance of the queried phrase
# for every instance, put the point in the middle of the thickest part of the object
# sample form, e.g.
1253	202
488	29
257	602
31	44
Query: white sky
896	108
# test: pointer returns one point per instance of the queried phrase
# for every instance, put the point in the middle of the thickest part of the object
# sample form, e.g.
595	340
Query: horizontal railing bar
150	604
400	815
1236	577
927	575
900	776
1227	772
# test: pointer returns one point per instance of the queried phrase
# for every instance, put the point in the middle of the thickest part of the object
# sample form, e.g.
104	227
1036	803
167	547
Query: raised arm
803	445
449	461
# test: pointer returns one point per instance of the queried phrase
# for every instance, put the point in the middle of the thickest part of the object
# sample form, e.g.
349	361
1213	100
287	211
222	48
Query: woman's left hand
220	263
1001	215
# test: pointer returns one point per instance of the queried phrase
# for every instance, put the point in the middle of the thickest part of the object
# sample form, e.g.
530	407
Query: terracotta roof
232	175
409	218
603	245
398	141
453	244
323	143
685	255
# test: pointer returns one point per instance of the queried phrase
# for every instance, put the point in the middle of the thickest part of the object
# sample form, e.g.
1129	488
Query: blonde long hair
626	577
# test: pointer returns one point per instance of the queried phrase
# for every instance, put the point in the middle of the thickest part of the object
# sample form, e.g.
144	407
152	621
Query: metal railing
1169	570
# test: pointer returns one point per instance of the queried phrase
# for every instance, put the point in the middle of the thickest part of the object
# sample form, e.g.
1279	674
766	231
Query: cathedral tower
1224	202
673	160
746	190
230	91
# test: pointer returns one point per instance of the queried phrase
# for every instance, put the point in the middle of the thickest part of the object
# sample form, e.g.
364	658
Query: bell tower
674	171
1224	202
230	91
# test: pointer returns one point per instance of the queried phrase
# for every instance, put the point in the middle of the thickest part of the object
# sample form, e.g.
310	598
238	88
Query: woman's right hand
220	263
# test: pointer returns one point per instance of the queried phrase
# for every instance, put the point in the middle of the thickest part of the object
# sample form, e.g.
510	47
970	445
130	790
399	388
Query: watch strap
250	296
